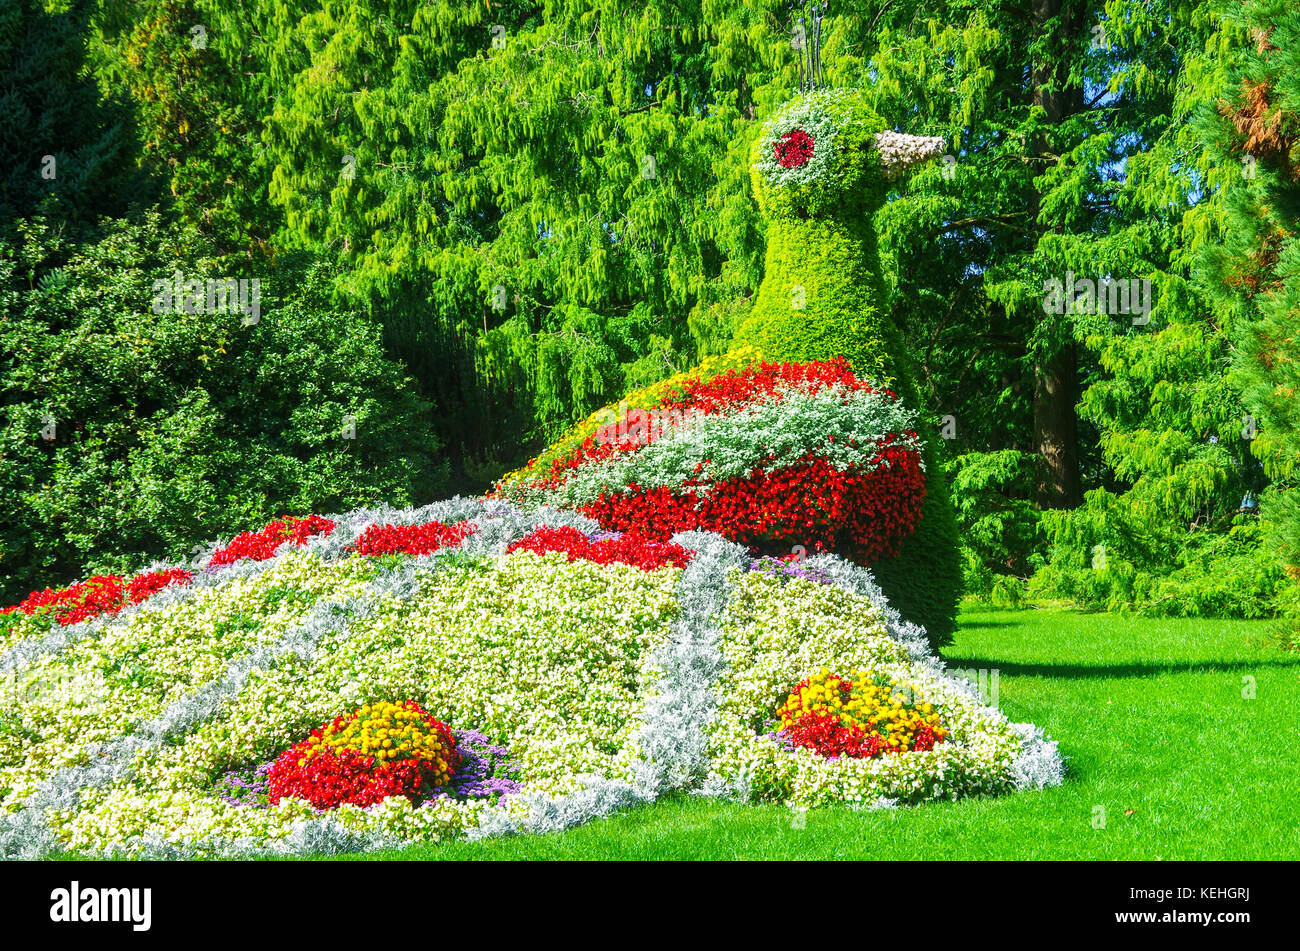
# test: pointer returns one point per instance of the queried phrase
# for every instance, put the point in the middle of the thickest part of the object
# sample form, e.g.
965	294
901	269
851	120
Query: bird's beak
899	151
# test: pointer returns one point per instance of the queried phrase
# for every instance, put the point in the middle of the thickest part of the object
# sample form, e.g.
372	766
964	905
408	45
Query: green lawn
1149	713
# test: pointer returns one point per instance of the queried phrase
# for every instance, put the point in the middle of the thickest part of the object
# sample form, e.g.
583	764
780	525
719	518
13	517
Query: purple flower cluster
781	737
245	787
484	771
777	568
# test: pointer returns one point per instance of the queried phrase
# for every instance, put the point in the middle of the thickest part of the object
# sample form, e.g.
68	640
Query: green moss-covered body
823	296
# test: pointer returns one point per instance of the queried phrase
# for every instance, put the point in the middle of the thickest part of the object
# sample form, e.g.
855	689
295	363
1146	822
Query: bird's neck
823	295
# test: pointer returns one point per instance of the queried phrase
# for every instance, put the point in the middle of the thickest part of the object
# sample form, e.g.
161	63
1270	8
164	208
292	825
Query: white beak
899	151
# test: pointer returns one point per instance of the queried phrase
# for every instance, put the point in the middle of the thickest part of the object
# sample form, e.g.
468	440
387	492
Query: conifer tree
1254	270
64	153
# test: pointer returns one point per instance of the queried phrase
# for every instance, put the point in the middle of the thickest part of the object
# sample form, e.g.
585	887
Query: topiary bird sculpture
821	168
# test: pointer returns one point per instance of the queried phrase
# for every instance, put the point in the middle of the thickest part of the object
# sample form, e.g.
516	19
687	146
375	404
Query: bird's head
827	153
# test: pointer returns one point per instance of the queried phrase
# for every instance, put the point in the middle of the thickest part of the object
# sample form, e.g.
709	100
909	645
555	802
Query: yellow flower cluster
390	732
874	703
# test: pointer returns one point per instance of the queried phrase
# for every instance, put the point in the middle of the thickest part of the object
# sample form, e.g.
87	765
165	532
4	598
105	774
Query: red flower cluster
102	594
412	539
328	774
735	388
261	545
148	584
330	779
864	514
828	735
629	549
794	148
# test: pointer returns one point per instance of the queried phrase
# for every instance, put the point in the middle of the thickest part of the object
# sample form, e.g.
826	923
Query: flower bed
412	539
768	456
861	714
102	594
628	549
571	672
779	633
261	545
108	594
383	749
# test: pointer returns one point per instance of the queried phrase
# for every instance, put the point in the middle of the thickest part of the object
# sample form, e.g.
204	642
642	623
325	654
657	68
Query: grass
1151	714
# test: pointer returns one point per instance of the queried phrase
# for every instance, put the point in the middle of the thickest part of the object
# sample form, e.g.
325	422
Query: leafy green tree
198	75
131	434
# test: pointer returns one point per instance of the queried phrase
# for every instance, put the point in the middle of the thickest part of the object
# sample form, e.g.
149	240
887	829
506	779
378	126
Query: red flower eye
794	148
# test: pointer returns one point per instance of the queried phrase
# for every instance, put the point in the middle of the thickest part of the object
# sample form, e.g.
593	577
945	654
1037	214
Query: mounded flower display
769	456
472	668
383	749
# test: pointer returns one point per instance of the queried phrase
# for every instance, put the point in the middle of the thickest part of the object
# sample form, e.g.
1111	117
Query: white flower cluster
609	684
899	151
812	114
842	425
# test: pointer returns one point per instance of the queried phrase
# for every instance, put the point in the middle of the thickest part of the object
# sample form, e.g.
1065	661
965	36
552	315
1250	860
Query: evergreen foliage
132	434
64	152
1252	272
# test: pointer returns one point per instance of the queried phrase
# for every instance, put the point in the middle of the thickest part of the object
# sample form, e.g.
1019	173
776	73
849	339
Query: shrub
995	516
923	581
1112	554
168	429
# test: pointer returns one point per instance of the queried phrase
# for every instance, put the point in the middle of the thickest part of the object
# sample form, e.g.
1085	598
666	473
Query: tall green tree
1252	269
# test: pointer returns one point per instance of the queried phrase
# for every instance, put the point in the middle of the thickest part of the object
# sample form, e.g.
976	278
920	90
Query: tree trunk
1061	23
1056	429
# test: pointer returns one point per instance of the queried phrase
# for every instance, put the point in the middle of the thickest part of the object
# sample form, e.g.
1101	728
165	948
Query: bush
823	295
1110	555
130	434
